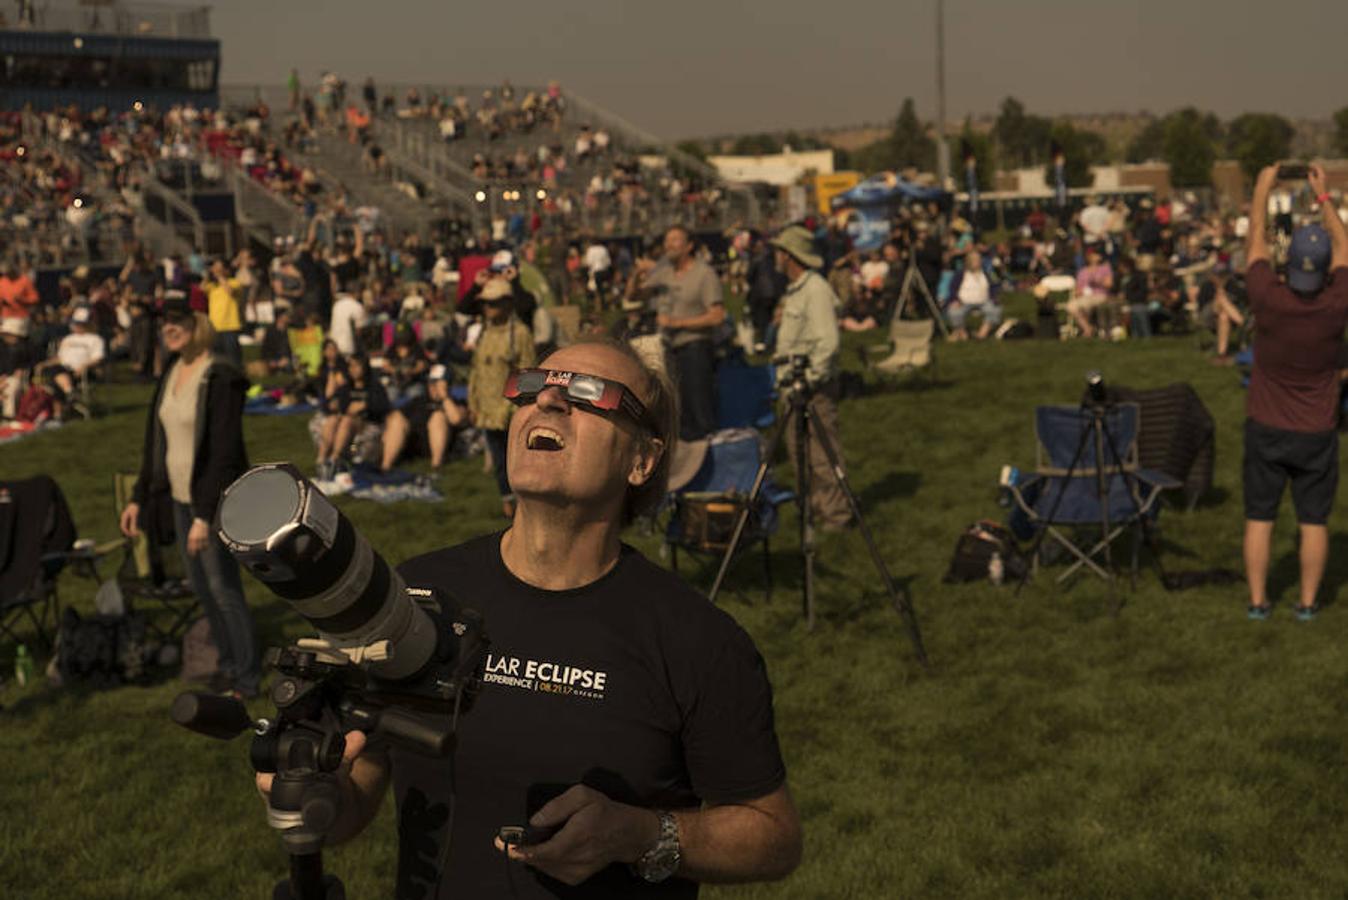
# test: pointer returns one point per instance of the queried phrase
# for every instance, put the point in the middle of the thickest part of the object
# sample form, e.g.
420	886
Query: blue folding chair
704	510
744	395
1064	491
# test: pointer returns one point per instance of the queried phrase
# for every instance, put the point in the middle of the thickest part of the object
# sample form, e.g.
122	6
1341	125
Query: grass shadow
914	384
894	485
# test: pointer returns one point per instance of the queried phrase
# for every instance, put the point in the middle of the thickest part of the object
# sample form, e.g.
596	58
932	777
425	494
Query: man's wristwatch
662	860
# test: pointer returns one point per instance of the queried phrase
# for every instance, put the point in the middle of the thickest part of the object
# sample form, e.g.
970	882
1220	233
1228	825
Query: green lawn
1053	750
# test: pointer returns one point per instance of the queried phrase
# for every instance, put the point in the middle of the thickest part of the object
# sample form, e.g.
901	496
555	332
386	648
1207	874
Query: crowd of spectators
1112	269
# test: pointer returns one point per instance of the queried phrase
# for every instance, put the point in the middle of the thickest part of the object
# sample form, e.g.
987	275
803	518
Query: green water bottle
23	666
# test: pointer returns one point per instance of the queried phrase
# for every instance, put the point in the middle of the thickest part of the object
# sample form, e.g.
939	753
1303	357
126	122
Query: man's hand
596	832
664	321
197	536
1315	177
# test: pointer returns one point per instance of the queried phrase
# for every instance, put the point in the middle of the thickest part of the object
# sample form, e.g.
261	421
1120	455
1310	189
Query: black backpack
103	651
974	551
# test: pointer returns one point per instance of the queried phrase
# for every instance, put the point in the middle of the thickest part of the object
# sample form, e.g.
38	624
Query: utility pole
942	148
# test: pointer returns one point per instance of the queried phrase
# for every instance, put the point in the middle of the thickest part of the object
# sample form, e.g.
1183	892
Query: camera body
797	369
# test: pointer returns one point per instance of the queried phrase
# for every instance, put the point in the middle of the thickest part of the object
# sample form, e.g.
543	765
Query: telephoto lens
291	537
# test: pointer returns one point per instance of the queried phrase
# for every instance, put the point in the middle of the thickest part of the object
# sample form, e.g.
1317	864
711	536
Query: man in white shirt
78	352
971	290
599	264
348	317
1094	220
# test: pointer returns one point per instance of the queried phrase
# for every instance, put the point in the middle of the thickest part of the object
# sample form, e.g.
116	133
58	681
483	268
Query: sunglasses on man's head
589	392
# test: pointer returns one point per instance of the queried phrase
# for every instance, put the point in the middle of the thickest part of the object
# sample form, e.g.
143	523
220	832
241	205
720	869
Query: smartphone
1293	172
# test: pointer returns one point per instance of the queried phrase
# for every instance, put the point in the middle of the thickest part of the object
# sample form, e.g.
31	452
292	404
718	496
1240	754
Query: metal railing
181	218
261	211
126	19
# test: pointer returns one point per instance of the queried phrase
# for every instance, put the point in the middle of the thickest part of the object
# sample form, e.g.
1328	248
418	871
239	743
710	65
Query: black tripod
318	697
800	418
1097	432
913	289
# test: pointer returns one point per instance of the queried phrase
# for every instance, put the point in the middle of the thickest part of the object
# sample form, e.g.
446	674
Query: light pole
942	149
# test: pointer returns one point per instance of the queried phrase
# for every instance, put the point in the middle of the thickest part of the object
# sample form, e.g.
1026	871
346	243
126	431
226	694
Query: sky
699	68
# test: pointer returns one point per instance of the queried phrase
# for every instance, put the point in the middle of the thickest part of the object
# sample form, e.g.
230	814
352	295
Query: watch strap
661	861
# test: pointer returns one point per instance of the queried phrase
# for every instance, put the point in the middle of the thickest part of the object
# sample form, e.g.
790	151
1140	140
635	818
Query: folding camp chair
149	575
1064	491
706	508
36	531
144	574
909	348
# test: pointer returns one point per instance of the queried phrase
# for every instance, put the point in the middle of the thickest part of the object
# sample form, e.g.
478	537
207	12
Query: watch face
660	864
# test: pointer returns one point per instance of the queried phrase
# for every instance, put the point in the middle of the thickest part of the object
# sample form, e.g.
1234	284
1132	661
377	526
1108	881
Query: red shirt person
18	295
1292	407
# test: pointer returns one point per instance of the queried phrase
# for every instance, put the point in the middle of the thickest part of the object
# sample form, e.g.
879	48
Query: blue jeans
214	576
958	312
496	446
1140	316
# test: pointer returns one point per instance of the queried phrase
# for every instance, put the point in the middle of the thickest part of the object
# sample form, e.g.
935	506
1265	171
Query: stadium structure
117	58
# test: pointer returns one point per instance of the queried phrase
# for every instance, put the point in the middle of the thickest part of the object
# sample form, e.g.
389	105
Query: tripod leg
899	598
933	307
801	416
1053	510
1148	537
1102	492
743	519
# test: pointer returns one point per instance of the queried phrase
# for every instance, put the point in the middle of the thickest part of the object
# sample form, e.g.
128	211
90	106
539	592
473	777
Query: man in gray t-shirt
686	295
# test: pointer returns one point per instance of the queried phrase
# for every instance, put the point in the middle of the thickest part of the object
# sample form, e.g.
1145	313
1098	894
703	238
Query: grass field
1053	750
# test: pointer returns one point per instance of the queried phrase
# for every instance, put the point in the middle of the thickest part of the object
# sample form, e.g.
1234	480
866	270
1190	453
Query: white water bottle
996	571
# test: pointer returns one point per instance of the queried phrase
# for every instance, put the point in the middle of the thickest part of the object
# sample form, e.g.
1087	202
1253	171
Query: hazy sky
695	67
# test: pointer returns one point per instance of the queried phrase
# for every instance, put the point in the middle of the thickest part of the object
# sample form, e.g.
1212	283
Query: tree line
1188	139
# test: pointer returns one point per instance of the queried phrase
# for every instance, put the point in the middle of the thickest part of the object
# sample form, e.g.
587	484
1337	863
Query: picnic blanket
269	406
393	486
12	431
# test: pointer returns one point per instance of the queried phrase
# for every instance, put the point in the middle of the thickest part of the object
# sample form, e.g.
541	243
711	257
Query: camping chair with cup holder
150	581
1088	488
708	500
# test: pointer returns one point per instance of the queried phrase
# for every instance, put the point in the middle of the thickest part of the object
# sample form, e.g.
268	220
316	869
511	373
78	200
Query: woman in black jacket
193	450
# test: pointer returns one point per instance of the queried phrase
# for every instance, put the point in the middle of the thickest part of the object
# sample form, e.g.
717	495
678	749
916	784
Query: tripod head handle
213	715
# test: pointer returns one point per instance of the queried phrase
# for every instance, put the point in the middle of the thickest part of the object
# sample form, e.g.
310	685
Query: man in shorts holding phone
1292	407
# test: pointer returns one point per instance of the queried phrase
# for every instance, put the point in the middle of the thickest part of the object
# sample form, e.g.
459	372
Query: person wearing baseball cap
78	352
1292	405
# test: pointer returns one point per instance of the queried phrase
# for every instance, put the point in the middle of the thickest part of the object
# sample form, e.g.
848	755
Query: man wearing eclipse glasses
624	723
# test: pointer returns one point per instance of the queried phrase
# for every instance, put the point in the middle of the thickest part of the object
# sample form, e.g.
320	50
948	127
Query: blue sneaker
1307	613
1258	612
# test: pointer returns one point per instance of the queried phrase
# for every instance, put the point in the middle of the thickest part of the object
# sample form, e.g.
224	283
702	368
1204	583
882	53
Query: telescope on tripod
396	664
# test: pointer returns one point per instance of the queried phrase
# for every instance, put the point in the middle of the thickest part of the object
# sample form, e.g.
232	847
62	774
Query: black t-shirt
276	344
634	685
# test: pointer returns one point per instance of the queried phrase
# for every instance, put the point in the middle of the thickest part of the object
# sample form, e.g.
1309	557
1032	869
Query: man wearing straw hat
809	327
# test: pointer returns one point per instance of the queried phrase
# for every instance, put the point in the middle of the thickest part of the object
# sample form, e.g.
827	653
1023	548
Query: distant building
773	168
